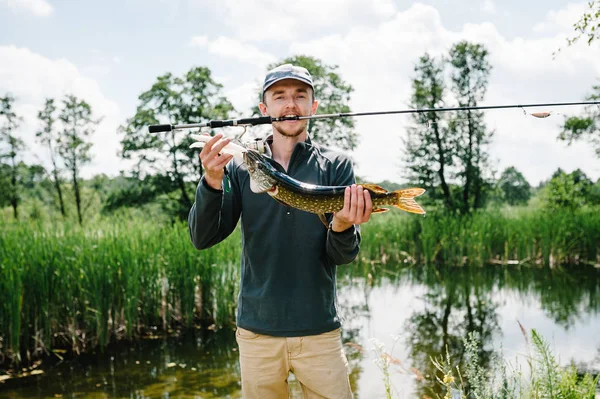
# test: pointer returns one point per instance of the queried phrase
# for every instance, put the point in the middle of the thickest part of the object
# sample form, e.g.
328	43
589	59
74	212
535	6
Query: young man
287	318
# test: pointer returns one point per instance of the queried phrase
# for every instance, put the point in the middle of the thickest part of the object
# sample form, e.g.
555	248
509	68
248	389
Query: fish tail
404	199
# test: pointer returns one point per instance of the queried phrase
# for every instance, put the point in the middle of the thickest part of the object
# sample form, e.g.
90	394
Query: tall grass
62	285
518	236
544	378
66	286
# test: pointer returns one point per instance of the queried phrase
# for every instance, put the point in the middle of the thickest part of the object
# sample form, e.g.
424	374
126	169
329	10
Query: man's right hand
213	163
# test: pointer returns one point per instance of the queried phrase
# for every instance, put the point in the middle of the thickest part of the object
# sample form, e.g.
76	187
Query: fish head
260	180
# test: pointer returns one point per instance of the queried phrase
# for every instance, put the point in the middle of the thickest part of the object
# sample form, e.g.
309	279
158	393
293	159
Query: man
287	318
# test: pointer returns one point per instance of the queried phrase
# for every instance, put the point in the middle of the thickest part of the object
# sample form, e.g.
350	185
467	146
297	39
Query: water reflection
428	308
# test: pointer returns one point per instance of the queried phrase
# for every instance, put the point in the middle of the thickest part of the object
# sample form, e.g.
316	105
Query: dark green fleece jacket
289	258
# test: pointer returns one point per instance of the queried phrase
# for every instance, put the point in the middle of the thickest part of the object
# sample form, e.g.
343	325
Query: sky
109	52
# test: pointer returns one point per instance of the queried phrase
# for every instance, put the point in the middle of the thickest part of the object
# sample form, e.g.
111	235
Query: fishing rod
265	120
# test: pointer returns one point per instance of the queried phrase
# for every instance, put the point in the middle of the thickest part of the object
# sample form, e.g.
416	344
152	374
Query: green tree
193	98
73	144
48	137
585	127
588	25
428	150
469	77
568	190
333	94
11	146
515	188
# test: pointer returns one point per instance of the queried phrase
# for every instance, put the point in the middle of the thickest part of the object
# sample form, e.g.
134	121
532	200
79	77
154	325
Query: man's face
289	97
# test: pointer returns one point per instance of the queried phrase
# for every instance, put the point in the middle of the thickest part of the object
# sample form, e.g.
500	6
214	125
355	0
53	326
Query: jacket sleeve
343	247
215	213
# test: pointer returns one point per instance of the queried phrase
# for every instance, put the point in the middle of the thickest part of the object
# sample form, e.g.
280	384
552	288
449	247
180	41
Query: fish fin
375	188
405	201
410	192
379	210
324	220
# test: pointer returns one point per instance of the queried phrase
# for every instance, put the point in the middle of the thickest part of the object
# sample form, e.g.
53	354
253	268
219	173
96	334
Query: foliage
429	153
11	147
586	127
73	142
569	191
443	151
588	25
193	98
515	188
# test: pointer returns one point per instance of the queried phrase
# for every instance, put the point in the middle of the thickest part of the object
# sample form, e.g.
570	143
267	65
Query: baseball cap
287	71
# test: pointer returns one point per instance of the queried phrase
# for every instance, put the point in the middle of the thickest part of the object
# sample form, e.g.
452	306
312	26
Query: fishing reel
259	145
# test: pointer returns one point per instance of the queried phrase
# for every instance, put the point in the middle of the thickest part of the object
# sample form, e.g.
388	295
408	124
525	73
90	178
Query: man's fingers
211	154
368	206
352	213
208	145
347	195
360	203
214	152
222	161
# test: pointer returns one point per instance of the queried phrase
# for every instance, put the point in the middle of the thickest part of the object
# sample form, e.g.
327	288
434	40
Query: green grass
66	286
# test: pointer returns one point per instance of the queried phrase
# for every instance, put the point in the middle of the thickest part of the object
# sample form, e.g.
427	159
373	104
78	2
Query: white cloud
40	8
561	21
488	6
275	20
379	63
32	78
232	48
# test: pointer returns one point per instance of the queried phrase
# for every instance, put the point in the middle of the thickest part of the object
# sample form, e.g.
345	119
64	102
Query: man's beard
294	133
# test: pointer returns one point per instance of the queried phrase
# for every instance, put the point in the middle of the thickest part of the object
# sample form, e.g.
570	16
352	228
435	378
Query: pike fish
264	178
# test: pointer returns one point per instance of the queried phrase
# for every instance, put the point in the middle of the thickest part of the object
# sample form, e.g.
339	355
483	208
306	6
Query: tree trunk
57	182
60	197
76	191
14	198
442	160
468	166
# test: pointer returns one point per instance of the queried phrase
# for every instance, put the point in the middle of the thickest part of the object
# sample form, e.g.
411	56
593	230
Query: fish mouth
252	158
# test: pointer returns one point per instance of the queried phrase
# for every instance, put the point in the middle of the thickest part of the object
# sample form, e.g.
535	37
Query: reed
67	286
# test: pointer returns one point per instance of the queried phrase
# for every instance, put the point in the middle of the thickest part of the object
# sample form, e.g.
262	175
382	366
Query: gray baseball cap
287	71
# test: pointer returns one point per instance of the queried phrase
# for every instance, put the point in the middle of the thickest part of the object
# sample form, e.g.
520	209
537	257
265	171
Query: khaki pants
317	361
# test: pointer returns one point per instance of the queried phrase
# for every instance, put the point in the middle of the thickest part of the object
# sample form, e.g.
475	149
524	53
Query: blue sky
109	52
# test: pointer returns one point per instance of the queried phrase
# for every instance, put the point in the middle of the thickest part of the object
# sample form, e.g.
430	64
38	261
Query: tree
588	24
515	188
73	144
587	126
13	145
333	94
568	190
193	98
428	151
47	136
469	78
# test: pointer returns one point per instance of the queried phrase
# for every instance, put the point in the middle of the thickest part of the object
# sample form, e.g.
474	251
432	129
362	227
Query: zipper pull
227	185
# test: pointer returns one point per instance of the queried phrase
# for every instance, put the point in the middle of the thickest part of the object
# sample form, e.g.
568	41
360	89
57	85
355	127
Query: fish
264	178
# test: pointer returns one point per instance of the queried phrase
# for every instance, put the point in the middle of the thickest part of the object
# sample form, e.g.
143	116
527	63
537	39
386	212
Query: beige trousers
317	361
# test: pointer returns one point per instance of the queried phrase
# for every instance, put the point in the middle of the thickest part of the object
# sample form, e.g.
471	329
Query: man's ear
314	107
263	109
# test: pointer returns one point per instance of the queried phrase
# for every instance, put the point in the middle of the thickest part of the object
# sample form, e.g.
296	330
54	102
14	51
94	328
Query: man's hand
357	209
213	163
